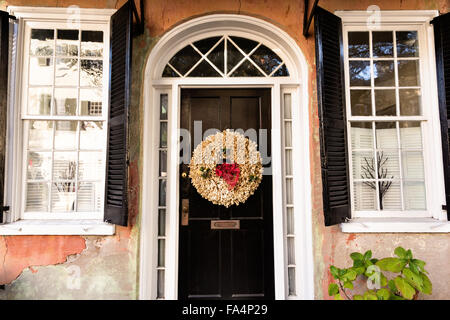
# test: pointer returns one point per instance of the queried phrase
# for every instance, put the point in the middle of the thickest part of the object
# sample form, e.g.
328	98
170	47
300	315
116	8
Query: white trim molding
395	225
57	227
397	17
71	13
284	46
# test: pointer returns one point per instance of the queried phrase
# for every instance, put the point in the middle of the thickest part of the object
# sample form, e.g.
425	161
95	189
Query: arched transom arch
225	56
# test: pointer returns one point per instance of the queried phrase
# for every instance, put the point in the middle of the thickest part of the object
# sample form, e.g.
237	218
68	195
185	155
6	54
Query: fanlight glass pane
225	56
266	59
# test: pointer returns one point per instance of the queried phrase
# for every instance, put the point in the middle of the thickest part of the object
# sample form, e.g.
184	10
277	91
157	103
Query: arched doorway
243	59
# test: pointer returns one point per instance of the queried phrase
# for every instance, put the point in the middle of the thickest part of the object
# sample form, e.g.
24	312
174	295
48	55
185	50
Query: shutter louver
116	200
4	59
333	133
442	47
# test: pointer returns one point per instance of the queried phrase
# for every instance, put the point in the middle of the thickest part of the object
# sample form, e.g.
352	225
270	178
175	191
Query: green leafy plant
410	277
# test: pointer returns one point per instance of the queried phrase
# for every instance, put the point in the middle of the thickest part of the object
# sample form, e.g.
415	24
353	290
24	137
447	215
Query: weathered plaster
108	265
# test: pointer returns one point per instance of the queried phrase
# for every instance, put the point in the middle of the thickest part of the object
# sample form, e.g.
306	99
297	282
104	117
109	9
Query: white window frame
434	219
17	221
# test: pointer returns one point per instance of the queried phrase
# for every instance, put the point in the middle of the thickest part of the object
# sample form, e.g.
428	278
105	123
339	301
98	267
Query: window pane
163	163
163	106
40	135
412	164
361	102
66	72
42	42
90	196
364	196
287	106
414	195
39	165
363	166
247	69
407	44
386	135
410	135
184	59
168	72
362	135
41	71
391	195
358	44
281	72
290	220
291	250
161	253
91	73
410	102
382	44
288	133
217	56
385	103
160	290
39	101
388	164
233	56
90	166
91	43
91	102
204	69
161	222
65	101
162	192
408	73
63	196
288	162
91	135
266	59
163	135
359	73
37	196
206	44
67	43
64	166
66	135
246	45
289	191
384	73
291	281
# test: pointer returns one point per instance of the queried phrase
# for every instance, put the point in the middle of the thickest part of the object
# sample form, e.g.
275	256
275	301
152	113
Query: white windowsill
395	225
57	227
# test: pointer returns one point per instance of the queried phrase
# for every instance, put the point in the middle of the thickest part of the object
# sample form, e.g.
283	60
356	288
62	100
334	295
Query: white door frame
296	84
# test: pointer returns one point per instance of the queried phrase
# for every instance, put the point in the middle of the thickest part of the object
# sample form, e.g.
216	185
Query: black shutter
116	199
442	47
333	133
4	57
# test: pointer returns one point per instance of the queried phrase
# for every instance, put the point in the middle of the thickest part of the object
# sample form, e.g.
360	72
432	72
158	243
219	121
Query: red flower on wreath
229	172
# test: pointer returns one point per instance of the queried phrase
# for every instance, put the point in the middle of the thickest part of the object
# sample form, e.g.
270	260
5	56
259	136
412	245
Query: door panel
226	264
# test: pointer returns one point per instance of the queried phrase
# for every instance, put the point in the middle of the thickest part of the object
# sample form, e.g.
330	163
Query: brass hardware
184	212
225	224
184	175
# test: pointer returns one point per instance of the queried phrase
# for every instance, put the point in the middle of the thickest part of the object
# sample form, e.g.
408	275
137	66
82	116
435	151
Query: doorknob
184	212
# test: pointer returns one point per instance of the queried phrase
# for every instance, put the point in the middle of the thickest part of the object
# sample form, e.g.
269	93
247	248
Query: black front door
226	264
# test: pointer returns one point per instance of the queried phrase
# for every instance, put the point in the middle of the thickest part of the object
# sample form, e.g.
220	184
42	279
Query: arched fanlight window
225	56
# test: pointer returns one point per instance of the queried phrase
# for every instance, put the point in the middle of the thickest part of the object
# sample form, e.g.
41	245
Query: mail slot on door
225	224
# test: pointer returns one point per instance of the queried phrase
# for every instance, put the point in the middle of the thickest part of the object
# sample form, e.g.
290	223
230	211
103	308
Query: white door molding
283	45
